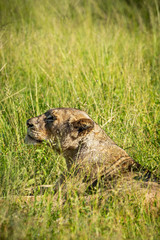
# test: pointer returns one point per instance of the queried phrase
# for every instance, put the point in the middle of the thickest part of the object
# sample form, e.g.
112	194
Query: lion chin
31	141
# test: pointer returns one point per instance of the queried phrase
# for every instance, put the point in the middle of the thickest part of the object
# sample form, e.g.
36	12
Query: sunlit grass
103	58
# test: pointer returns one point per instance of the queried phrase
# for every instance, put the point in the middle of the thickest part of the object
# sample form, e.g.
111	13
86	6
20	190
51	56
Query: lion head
62	127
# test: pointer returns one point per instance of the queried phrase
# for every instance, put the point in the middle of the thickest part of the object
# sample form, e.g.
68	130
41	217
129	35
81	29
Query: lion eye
50	118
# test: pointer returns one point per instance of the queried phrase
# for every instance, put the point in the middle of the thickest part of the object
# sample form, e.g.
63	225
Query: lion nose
30	123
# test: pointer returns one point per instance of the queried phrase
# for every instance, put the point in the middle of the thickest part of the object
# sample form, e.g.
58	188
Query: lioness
82	142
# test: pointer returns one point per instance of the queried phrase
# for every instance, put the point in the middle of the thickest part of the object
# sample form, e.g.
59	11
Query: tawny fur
82	142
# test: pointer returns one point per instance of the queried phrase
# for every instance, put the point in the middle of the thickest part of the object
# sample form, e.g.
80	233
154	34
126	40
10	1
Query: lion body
83	144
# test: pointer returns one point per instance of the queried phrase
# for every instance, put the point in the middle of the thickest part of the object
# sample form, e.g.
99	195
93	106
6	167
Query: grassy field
99	56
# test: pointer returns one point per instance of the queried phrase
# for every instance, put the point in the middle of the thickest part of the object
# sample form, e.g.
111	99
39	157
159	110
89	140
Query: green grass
103	58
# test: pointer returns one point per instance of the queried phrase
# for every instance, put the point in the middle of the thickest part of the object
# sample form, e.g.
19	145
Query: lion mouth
30	140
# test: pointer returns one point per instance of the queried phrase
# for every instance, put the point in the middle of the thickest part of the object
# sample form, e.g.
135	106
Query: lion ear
83	125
